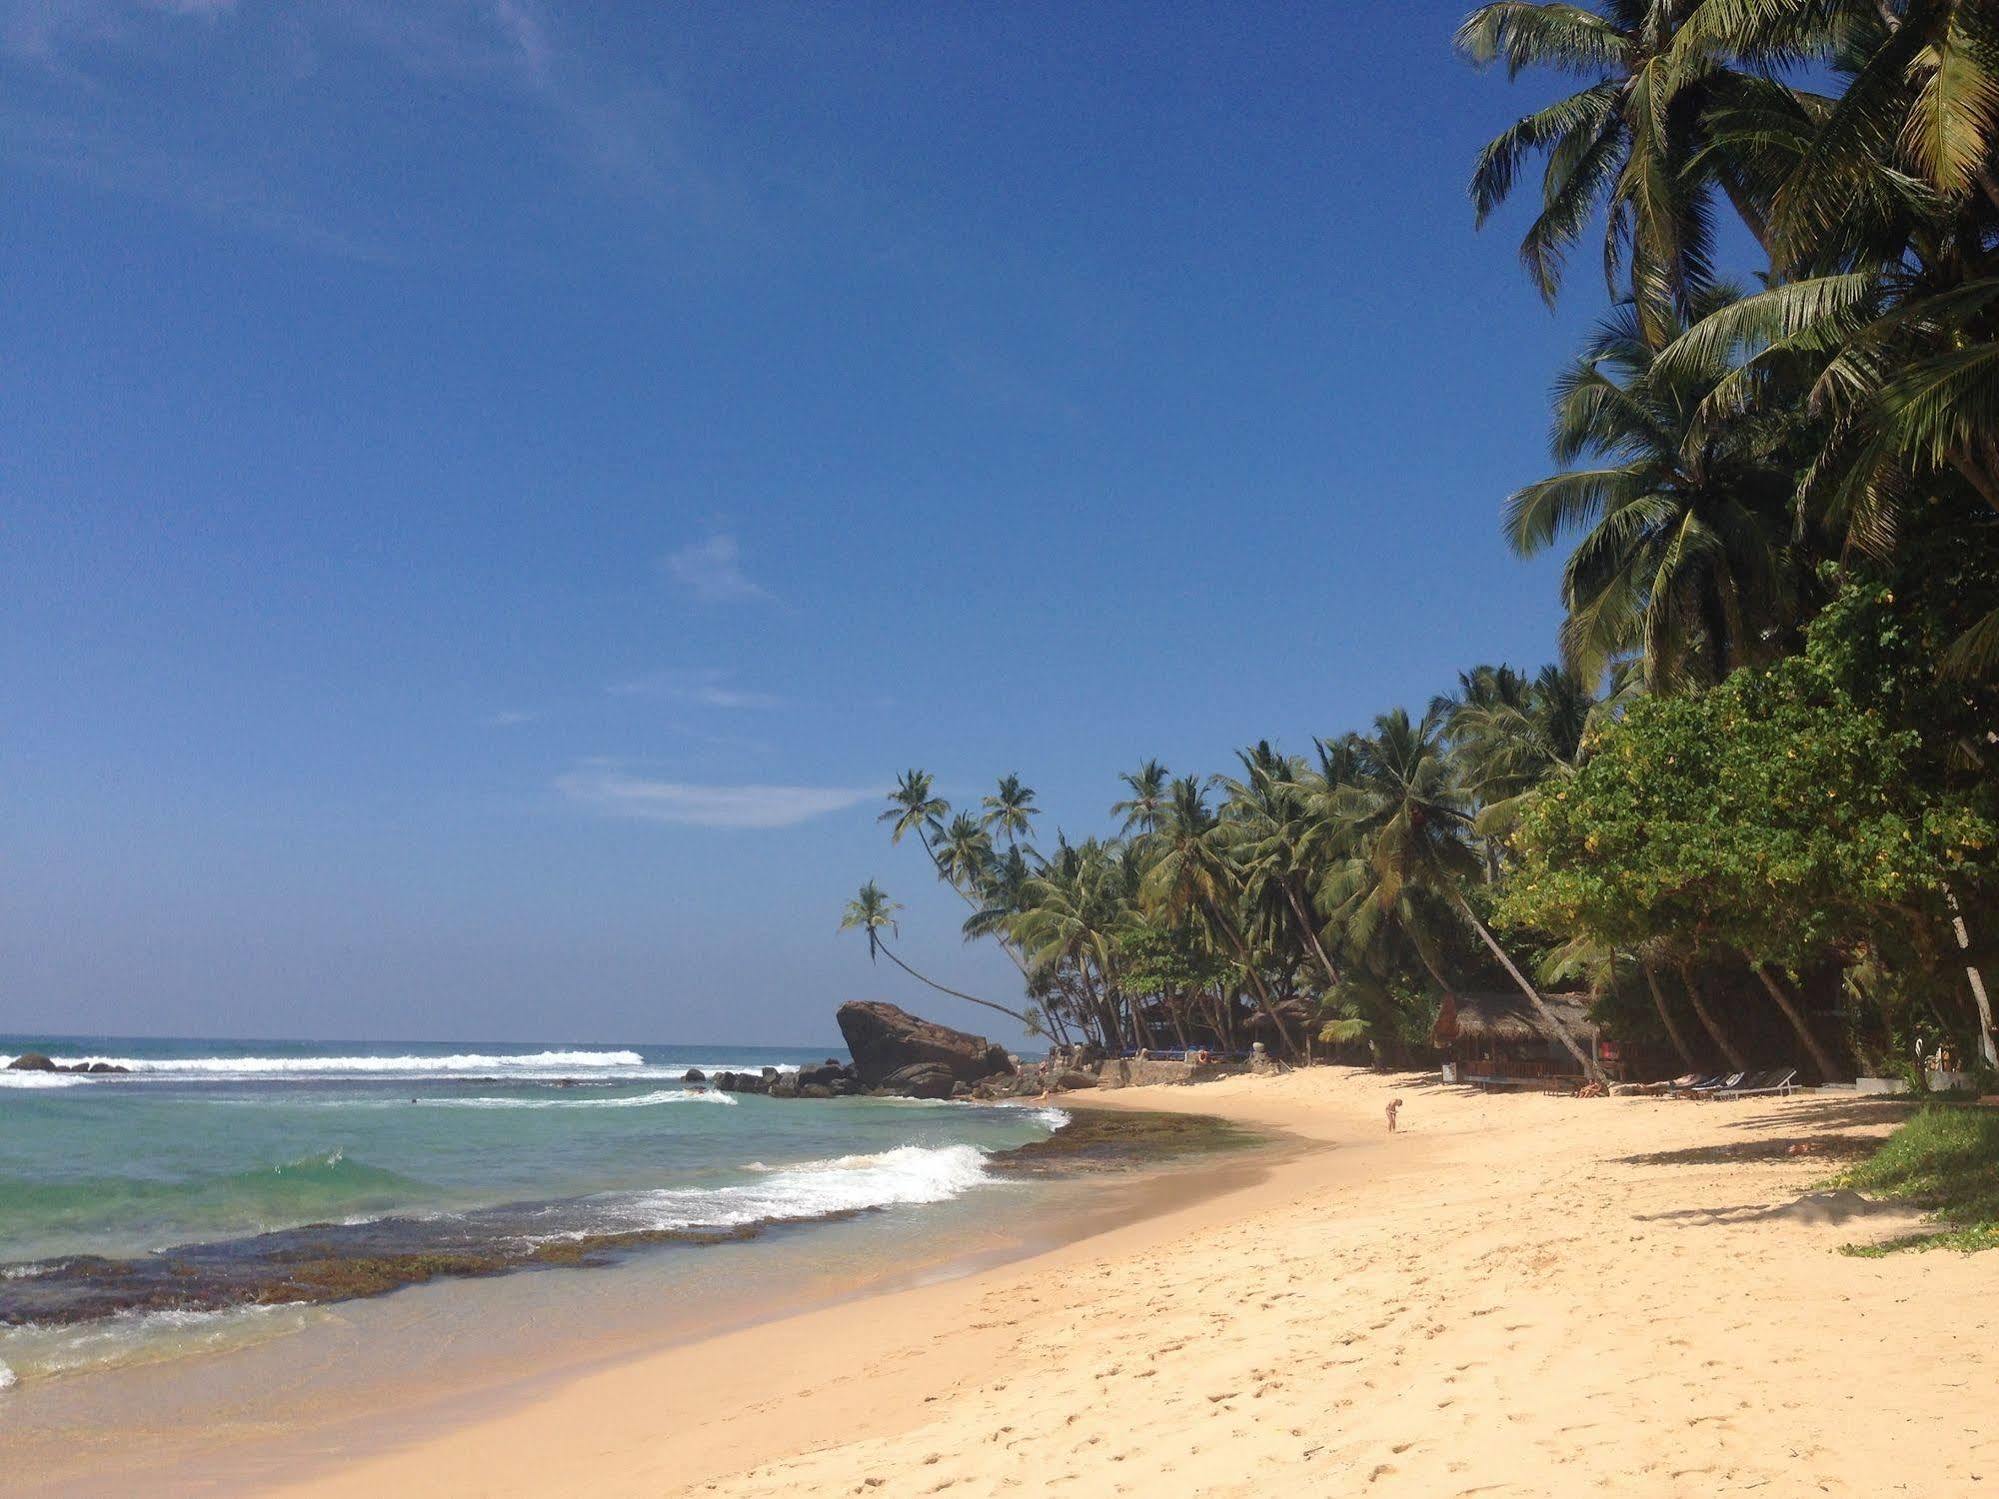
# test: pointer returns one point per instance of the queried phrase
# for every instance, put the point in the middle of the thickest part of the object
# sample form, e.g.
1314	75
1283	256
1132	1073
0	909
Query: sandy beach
1510	1295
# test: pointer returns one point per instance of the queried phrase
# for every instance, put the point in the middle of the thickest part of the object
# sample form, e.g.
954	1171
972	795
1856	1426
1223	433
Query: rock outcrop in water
888	1042
896	1054
34	1061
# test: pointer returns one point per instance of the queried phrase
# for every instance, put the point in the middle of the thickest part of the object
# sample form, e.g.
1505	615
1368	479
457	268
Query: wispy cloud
712	571
707	687
614	792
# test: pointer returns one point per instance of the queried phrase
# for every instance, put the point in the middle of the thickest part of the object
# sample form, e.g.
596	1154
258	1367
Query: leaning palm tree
872	912
1411	822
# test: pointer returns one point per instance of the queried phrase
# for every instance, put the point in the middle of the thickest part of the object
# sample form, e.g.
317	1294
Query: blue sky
491	492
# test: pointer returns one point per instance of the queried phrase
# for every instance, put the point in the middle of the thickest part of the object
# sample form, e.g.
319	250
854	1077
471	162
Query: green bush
1947	1159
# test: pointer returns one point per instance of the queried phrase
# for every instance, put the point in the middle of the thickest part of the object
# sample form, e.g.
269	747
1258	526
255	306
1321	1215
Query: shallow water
183	1206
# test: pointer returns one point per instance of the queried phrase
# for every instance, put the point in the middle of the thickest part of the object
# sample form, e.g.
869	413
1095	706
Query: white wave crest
906	1175
36	1079
407	1065
642	1101
6	1377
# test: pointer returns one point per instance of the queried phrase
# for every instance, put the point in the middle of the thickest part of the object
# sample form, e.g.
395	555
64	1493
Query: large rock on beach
885	1039
922	1080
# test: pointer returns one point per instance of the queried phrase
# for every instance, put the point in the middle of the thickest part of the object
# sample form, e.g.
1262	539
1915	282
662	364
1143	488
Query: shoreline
1511	1295
1106	1179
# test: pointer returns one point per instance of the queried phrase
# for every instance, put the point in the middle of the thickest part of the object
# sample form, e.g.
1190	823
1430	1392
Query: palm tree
1011	809
872	912
1633	142
1886	253
913	808
1193	875
1141	810
1509	745
1267	807
1072	914
1411	823
1683	551
965	856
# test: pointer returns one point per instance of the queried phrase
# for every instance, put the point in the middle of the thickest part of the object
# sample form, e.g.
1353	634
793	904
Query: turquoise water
214	1161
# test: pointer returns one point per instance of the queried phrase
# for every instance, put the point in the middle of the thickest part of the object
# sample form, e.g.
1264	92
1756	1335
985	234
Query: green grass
1946	1159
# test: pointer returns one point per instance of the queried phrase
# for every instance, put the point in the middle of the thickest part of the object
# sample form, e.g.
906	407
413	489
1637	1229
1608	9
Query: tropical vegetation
1752	808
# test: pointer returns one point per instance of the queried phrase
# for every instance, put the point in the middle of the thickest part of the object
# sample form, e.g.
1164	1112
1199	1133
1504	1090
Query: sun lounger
1778	1080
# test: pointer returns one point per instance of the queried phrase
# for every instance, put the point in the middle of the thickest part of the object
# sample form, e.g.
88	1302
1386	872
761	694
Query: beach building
1499	1038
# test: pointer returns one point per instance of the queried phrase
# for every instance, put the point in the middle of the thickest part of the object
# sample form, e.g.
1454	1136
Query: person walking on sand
1394	1106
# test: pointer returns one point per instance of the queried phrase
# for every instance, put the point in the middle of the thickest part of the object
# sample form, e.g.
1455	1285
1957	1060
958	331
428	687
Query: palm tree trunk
1708	1022
1986	1046
965	895
1591	1069
1310	928
1666	1017
1227	929
1791	1013
954	993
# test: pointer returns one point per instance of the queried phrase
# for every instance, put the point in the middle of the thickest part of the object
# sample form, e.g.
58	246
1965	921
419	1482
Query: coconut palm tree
1683	551
1886	253
1411	822
1072	914
915	808
872	912
1267	806
1010	809
1633	142
1141	810
1194	876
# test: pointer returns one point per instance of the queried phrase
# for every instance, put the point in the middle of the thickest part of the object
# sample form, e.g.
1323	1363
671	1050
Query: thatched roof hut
1506	1018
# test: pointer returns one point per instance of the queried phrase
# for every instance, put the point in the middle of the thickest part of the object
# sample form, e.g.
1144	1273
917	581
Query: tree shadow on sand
1818	1147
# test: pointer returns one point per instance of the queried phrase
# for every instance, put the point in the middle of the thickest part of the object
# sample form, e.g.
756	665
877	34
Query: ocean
209	1194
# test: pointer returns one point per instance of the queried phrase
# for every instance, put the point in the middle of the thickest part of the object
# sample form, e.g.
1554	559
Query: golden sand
1508	1296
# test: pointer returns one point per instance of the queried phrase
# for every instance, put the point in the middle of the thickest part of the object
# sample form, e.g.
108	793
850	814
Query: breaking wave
906	1175
540	1061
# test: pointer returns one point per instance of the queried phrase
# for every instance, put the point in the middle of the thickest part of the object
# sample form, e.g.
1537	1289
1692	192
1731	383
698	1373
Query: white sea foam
280	1066
6	1377
642	1101
906	1175
141	1337
538	1066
